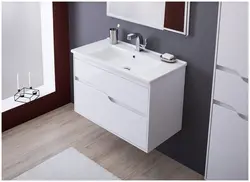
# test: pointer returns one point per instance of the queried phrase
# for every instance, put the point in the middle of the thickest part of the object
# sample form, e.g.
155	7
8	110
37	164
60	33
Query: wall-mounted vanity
132	94
171	16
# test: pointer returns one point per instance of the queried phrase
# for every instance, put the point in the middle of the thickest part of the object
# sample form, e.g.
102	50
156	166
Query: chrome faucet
140	45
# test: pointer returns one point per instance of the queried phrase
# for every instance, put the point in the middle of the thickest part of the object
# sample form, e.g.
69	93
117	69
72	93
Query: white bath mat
68	165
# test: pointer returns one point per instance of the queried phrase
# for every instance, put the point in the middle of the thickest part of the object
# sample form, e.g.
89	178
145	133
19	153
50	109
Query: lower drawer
228	149
104	111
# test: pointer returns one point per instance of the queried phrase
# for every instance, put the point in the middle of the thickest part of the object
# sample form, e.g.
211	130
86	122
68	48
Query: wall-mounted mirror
171	16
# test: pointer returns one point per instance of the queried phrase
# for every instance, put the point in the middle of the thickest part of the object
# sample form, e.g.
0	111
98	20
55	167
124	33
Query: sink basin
122	58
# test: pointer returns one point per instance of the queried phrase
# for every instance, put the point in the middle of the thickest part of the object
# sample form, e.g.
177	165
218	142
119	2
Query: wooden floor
31	143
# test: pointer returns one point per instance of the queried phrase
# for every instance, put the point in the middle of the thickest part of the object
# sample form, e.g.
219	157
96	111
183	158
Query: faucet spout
139	44
131	36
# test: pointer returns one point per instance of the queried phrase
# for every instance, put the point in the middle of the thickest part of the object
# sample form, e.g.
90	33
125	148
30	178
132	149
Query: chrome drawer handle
125	106
242	116
110	98
228	70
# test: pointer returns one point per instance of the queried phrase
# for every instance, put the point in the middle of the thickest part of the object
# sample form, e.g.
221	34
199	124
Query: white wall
138	12
46	69
21	46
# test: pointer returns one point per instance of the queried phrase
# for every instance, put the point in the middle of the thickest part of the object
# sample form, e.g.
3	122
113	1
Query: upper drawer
232	90
126	92
233	37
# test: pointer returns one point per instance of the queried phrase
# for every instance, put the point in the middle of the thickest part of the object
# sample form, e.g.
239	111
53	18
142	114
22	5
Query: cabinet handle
120	104
228	70
242	116
111	99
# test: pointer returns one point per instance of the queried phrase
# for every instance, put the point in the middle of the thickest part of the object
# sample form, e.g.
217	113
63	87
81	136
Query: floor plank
35	141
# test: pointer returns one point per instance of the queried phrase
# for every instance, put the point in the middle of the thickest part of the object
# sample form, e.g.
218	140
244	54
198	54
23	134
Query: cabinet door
233	37
228	150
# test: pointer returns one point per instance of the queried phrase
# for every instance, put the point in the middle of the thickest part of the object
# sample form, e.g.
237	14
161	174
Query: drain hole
127	68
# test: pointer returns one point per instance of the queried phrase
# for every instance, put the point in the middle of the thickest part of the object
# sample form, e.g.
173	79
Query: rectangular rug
68	165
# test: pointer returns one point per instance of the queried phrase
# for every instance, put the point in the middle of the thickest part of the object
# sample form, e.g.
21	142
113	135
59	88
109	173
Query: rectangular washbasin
129	61
122	58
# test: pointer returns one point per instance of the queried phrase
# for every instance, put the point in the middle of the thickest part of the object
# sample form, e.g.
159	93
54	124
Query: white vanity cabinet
142	113
227	151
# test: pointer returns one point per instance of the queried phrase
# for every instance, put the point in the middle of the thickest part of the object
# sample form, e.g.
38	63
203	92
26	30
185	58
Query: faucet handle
143	46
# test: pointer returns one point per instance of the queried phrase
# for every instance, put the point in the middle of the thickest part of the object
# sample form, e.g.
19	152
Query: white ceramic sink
129	61
123	58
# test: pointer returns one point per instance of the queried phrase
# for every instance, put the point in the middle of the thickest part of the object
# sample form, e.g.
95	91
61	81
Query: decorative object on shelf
26	94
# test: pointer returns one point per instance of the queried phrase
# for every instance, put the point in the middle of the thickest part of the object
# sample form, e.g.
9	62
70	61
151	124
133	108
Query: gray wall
89	23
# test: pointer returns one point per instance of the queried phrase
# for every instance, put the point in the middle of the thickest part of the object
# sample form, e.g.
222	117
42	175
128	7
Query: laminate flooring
35	141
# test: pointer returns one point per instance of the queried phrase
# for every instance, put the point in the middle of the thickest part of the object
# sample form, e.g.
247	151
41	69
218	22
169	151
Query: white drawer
126	92
228	149
233	40
102	109
231	90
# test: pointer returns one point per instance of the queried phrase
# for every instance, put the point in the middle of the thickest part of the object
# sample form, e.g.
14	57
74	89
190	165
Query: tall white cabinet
227	152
